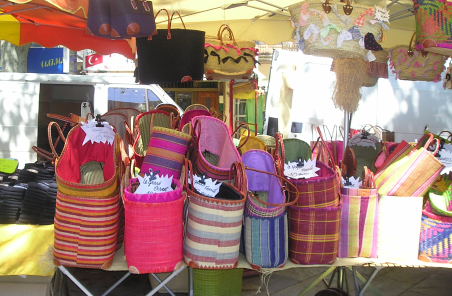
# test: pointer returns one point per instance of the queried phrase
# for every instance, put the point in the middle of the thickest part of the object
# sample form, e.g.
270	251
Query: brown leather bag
349	164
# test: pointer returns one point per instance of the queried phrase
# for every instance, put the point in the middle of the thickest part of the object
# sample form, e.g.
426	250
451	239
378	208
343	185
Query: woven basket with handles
350	49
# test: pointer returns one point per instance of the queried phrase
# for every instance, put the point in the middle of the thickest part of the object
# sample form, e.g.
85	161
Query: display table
26	250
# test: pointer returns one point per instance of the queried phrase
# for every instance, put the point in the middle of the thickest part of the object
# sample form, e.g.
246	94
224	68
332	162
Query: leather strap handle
231	36
247	133
327	149
279	144
238	174
169	24
49	135
180	17
43	153
286	183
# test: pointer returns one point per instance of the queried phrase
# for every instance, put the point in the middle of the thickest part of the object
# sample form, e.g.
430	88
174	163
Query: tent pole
347	119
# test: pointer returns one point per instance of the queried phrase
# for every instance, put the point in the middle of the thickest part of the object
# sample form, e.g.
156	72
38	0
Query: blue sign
45	60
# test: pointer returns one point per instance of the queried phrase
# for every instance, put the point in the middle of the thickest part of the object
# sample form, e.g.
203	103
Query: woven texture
314	235
88	217
296	148
269	141
213	229
215	138
251	143
436	235
417	67
318	192
359	223
412	175
143	126
350	49
165	152
229	58
192	113
154	231
433	24
265	227
217	282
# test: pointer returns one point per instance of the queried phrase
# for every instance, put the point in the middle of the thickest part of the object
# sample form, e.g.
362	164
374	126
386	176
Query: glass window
183	99
122	97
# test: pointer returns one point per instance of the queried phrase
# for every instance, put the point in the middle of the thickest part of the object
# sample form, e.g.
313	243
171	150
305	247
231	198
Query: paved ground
390	281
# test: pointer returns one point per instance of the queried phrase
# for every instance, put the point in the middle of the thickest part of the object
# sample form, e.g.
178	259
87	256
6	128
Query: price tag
364	141
8	166
351	183
206	186
153	183
445	157
104	134
301	169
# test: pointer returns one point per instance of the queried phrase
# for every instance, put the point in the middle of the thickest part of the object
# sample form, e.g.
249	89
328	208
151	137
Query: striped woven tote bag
214	224
265	235
89	214
166	152
214	151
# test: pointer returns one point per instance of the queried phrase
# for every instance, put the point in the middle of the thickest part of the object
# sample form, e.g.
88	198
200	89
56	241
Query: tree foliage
13	58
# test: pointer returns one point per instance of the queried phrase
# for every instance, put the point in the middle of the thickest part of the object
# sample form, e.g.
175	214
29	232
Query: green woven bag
441	201
224	282
294	149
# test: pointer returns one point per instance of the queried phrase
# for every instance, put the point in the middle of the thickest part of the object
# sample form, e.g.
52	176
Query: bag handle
327	149
219	29
368	178
43	153
284	183
247	134
427	143
169	24
410	51
180	17
279	144
231	36
237	173
449	138
193	131
49	135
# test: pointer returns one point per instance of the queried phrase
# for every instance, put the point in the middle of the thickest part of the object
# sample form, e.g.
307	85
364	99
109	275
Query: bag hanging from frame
172	55
131	18
213	225
229	59
98	21
335	29
409	63
433	22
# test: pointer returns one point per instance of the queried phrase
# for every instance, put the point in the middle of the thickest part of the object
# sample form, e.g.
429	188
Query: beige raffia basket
228	58
350	49
415	67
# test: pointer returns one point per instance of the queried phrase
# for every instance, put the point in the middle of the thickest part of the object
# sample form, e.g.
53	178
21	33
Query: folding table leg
116	284
358	290
164	286
190	280
163	283
74	280
318	280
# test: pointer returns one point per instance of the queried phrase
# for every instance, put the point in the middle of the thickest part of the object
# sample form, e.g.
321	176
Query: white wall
401	106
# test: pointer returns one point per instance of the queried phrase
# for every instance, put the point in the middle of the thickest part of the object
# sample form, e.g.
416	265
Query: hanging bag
334	29
172	55
409	63
98	21
229	59
265	235
433	21
413	174
131	18
214	224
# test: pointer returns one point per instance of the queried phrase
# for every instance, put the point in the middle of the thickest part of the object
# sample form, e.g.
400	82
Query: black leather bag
172	55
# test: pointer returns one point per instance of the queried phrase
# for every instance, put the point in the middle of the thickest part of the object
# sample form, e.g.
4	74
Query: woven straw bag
265	225
229	59
410	64
88	200
153	229
350	49
223	282
214	224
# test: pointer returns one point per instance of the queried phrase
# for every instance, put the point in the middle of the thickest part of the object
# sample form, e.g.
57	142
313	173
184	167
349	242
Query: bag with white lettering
214	215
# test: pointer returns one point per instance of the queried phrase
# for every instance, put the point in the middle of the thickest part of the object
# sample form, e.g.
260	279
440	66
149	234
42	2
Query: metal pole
346	128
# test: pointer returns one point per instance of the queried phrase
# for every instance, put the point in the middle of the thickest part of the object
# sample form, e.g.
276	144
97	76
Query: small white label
301	169
206	186
364	141
351	183
153	183
104	134
445	157
381	14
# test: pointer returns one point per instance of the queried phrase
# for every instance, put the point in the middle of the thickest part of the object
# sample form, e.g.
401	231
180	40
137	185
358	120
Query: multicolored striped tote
265	235
314	235
413	174
359	223
435	244
154	229
88	217
214	224
214	151
165	152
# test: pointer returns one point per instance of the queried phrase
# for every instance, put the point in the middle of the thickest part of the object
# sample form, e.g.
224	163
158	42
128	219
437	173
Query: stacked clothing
33	203
48	210
12	197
